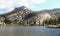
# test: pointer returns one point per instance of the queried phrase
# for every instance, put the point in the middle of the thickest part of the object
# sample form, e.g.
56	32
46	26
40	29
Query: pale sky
9	5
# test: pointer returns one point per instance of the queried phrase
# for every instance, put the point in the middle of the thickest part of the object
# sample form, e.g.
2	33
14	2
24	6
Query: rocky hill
25	16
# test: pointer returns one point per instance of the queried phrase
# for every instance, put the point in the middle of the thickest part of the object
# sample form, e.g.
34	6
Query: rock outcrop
25	16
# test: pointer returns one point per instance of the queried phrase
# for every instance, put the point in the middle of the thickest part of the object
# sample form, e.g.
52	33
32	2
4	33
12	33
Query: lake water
28	31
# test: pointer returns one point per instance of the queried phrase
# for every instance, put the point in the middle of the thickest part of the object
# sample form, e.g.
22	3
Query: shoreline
54	26
49	26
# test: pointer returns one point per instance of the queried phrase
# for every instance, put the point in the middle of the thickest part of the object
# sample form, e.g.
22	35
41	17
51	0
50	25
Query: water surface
28	31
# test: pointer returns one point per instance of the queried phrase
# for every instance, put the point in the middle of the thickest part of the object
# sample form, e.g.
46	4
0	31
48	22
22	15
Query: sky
36	5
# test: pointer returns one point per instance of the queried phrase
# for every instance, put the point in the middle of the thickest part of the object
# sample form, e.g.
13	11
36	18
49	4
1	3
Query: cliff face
23	15
18	14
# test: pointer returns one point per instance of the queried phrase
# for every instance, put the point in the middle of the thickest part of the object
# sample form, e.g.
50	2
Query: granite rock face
23	15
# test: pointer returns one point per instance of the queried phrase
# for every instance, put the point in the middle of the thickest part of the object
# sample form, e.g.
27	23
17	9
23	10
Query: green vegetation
27	17
30	15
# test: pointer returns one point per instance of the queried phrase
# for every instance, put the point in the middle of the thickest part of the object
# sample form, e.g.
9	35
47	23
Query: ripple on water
28	31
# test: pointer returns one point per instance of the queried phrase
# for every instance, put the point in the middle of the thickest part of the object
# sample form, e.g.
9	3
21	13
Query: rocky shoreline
54	26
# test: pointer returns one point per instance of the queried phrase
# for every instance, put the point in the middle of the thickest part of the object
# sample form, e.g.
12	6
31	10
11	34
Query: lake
28	31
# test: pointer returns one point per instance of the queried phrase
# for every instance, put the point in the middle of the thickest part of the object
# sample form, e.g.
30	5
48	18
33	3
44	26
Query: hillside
25	16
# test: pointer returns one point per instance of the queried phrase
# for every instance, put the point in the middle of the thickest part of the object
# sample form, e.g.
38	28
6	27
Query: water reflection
28	31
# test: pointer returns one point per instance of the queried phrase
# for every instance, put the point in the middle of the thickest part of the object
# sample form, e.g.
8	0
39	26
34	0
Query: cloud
6	6
28	3
9	4
6	3
12	3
